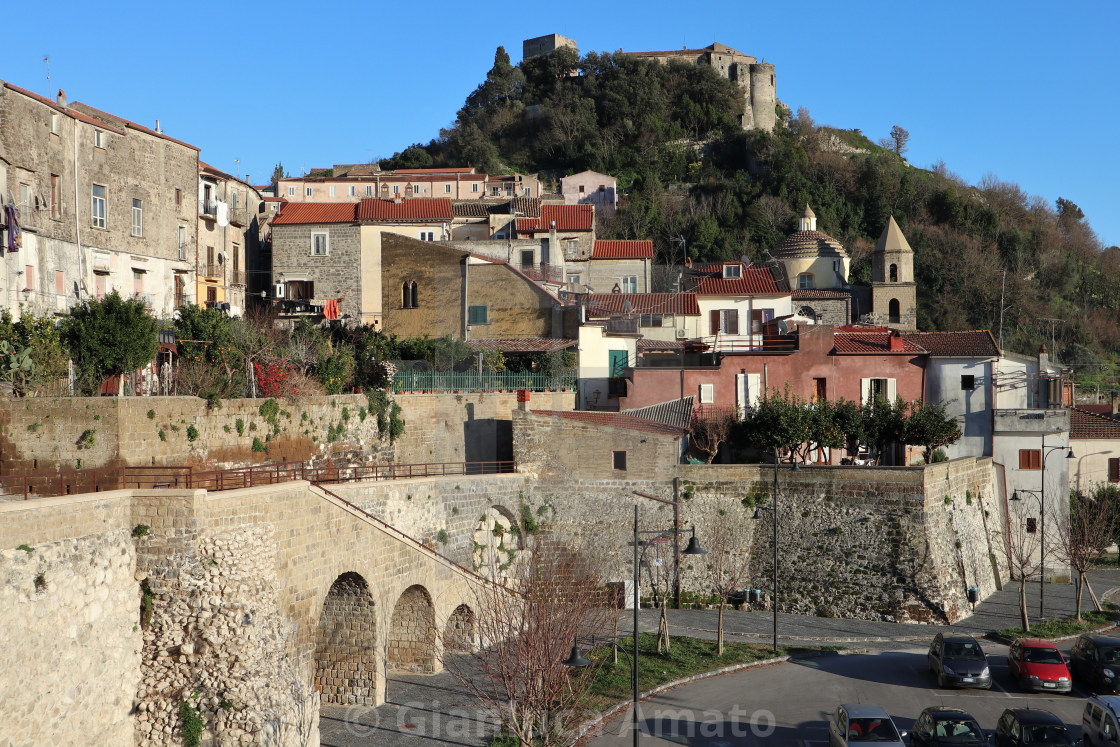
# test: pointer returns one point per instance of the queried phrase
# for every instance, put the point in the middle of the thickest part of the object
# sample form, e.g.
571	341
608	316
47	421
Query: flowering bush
275	378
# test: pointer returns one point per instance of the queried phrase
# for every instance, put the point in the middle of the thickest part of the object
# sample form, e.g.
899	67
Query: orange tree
929	427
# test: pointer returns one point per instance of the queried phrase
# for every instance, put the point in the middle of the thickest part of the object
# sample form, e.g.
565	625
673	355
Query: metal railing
208	207
714	412
544	273
207	270
750	343
623	326
472	381
73	482
239	215
237	277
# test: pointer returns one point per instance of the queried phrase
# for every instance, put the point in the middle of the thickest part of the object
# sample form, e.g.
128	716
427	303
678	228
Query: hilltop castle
755	79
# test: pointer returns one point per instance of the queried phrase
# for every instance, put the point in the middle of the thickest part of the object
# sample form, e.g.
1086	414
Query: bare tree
1083	535
527	628
727	567
1024	558
708	434
660	565
898	141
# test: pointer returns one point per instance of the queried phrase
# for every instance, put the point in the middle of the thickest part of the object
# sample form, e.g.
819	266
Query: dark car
958	661
1031	726
1095	660
1038	666
937	726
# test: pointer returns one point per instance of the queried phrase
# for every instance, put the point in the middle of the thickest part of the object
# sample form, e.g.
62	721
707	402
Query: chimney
895	341
1043	360
523	400
1112	399
157	127
61	98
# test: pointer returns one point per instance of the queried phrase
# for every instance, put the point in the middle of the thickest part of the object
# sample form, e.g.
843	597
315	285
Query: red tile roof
870	343
604	304
64	110
295	213
566	217
610	249
614	420
415	209
971	344
1097	409
1088	425
456	170
522	344
756	281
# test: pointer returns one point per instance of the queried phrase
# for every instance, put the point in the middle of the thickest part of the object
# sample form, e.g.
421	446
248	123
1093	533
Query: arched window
415	297
406	297
894	274
892	311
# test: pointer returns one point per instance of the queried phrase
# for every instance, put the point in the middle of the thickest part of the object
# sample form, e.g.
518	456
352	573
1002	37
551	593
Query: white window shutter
742	393
754	389
707	394
864	390
892	390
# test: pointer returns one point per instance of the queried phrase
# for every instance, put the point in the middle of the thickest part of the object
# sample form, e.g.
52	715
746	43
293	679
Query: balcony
1031	420
210	271
622	326
751	343
237	277
208	209
239	216
544	273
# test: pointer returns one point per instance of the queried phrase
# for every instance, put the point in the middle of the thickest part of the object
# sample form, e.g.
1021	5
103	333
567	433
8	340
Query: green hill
687	172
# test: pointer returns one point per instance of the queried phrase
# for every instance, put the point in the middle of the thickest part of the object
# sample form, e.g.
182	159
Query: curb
589	728
992	636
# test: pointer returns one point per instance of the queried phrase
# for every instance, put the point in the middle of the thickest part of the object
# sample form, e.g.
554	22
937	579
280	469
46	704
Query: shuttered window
1114	470
1030	459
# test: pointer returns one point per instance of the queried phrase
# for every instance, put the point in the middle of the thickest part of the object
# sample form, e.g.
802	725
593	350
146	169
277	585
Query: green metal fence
472	381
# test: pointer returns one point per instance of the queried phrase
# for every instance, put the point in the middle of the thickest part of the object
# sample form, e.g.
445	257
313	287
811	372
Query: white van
1100	723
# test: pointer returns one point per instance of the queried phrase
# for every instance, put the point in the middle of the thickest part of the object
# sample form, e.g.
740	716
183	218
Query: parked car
852	723
942	727
1095	660
958	661
1100	721
1038	666
1019	727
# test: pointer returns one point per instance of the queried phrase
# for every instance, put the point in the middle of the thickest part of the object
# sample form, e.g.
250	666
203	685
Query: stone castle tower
755	79
894	299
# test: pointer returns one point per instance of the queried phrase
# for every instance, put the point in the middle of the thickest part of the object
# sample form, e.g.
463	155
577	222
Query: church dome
808	242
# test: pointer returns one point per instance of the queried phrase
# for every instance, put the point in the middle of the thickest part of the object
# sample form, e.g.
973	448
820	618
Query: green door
619	361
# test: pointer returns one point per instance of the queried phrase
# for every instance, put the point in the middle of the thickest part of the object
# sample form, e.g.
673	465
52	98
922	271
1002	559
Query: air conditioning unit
682	334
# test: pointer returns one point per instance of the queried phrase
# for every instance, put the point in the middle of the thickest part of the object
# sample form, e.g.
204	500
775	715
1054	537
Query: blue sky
1024	90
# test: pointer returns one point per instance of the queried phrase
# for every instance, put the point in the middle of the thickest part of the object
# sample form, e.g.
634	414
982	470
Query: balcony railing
239	216
208	208
623	326
237	277
472	381
544	273
210	271
750	343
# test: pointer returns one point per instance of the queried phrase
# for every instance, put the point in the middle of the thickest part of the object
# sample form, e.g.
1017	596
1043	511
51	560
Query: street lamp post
577	660
1040	494
774	510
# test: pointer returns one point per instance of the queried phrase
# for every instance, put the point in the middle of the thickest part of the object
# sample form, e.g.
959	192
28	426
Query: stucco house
590	188
1095	438
615	266
229	213
573	226
736	301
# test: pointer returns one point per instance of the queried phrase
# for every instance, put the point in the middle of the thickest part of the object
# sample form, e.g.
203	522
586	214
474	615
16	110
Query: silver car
860	723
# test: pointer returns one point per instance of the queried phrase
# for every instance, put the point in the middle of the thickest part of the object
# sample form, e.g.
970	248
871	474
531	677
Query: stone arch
892	274
460	635
497	538
346	643
893	315
412	633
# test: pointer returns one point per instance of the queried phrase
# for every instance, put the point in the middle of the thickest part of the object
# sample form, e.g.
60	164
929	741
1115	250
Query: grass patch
1063	626
688	656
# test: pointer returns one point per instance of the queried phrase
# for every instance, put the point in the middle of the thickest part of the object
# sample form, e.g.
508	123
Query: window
1032	525
474	187
968	382
477	315
707	394
28	277
56	207
100	280
1114	470
24	197
619	458
725	321
528	192
178	196
211	295
98	139
527	257
98	206
760	317
307	191
573	279
409	298
602	187
369	190
652	320
893	274
573	246
54	123
1030	459
319	244
353	191
427	235
495	191
291	191
137	282
820	389
60	282
236	262
893	314
581	189
733	271
182	242
805	281
331	191
137	218
447	189
509	191
630	284
396	189
871	389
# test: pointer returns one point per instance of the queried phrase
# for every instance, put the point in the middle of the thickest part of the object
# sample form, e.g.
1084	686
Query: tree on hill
898	141
109	336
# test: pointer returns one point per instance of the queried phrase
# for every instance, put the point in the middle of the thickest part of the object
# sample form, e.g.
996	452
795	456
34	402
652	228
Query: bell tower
894	298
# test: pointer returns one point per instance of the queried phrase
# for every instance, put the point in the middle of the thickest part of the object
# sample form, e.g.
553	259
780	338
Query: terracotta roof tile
1097	409
807	244
375	209
472	209
566	217
611	249
1088	425
676	412
62	109
456	170
614	420
522	344
756	281
646	343
868	342
604	304
971	344
296	213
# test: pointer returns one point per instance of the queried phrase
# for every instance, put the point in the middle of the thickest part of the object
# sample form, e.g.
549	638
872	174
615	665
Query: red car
1037	665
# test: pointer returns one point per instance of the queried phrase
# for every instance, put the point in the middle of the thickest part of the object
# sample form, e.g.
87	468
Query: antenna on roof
49	89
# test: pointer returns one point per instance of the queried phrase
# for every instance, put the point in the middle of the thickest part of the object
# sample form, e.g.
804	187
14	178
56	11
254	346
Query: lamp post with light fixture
1040	494
774	512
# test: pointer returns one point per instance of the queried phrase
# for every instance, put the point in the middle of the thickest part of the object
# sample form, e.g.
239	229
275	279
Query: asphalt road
788	705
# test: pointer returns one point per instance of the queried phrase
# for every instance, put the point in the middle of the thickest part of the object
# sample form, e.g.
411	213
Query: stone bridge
250	605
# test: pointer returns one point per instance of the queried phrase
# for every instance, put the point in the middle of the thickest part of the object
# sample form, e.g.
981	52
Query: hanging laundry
222	214
330	308
15	233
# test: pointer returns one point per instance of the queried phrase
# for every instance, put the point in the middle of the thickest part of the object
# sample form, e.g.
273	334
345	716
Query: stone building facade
104	204
229	215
